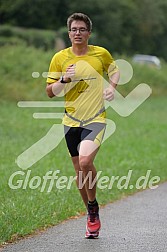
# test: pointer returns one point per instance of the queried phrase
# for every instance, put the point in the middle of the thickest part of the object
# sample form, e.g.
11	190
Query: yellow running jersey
84	94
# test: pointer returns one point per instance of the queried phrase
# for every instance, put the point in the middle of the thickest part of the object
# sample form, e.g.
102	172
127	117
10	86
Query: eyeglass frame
81	30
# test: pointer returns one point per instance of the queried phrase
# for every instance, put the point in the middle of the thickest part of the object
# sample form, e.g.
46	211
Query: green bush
44	39
17	64
11	41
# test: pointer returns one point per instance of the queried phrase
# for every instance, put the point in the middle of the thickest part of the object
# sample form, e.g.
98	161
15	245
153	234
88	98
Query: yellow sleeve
54	73
109	64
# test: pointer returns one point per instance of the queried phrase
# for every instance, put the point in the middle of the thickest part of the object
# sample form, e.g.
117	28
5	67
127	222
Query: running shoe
93	222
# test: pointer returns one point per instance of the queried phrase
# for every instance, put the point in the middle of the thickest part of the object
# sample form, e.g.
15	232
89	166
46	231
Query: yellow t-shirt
84	94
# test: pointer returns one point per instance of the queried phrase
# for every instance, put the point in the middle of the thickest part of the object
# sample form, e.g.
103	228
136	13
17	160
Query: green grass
139	144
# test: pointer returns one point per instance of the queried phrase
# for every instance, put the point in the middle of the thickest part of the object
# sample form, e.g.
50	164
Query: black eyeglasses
81	30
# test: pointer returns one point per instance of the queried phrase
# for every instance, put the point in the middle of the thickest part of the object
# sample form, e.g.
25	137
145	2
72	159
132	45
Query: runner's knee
85	163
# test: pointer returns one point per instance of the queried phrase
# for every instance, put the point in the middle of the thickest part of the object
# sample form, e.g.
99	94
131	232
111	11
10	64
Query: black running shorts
74	135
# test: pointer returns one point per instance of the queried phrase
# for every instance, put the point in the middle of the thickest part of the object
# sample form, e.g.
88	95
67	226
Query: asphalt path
132	224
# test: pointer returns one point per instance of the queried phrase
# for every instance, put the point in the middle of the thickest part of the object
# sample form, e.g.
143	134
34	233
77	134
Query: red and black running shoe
93	222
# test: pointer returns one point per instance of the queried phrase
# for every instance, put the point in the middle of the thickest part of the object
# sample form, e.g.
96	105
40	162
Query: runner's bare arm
56	87
109	92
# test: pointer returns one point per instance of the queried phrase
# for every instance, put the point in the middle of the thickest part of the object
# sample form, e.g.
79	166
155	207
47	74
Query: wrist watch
62	80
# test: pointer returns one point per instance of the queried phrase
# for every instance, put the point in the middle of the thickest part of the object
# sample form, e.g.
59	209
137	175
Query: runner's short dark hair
80	17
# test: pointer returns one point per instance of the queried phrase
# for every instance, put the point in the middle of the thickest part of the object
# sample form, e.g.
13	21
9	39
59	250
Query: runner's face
78	33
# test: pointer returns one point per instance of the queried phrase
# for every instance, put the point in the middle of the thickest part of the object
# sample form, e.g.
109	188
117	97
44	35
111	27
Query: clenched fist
70	73
108	93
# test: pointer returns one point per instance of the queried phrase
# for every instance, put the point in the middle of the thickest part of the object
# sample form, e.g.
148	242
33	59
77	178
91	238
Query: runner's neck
79	51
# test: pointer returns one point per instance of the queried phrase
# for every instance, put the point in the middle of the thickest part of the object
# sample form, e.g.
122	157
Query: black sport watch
62	80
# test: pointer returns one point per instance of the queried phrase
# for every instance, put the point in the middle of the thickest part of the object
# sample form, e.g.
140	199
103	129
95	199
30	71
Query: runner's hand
108	93
70	73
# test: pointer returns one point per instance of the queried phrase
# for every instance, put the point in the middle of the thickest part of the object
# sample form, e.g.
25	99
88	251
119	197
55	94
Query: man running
78	72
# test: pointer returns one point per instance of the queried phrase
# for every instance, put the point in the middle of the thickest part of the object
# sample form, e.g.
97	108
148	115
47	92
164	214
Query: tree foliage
132	26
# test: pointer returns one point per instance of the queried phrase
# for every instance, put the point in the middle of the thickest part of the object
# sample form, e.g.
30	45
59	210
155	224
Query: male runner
78	72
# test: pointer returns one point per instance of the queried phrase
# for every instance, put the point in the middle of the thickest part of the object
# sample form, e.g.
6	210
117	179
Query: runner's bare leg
82	190
87	152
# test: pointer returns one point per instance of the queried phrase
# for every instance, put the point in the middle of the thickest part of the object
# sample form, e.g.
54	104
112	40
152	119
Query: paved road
136	223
